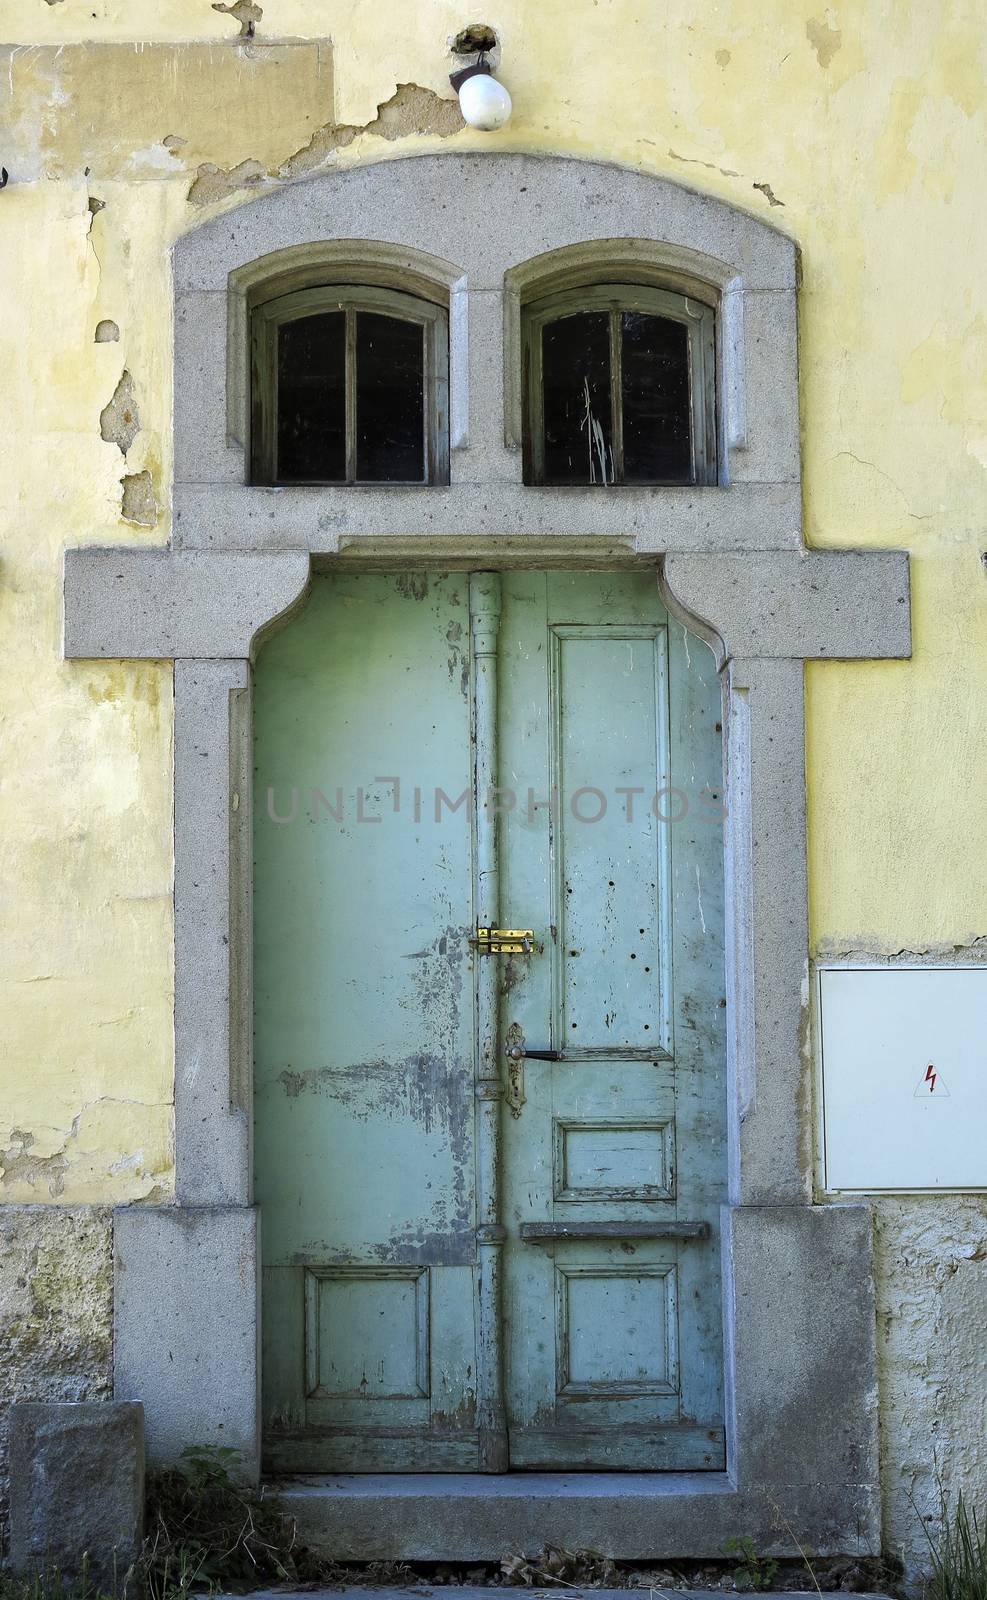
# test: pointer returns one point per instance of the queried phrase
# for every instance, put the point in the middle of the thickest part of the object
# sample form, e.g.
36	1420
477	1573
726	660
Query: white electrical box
903	1076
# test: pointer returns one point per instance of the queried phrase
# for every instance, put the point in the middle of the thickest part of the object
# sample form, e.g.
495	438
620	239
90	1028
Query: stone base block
76	1487
186	1325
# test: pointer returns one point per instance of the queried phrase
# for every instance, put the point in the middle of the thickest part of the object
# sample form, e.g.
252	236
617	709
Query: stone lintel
163	604
801	604
206	604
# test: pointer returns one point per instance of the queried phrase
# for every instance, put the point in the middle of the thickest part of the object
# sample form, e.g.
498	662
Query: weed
959	1559
753	1573
206	1529
50	1580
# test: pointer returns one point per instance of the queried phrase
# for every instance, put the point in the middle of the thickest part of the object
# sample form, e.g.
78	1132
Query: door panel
614	1345
364	1029
607	714
419	1313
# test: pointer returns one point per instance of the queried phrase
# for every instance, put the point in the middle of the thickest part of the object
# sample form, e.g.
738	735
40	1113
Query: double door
490	1020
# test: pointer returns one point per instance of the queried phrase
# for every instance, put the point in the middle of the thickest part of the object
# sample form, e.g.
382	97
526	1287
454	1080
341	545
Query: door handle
517	1053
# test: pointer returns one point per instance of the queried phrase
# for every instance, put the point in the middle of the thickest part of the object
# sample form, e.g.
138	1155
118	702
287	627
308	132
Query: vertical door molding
485	606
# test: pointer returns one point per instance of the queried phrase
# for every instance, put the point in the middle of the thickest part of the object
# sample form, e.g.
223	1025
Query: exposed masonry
119	420
245	12
798	1288
56	1293
20	1164
411	109
931	1272
119	424
137	503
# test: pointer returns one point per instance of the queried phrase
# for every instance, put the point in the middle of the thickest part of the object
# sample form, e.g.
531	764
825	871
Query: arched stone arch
733	568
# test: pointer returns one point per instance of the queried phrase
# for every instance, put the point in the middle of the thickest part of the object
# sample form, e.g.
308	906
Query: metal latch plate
502	941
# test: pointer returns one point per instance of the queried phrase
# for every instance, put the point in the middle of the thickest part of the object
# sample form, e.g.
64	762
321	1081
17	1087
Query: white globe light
484	102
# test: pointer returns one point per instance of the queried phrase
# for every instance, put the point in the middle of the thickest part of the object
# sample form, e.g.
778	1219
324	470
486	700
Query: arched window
619	387
349	384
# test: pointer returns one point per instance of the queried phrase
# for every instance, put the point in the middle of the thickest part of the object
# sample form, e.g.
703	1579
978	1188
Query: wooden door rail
552	1232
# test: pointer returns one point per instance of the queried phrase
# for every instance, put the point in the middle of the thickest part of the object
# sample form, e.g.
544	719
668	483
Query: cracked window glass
620	388
576	386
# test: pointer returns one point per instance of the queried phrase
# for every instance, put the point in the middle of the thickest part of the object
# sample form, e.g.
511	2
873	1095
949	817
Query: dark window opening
620	389
349	387
655	399
576	386
312	399
390	399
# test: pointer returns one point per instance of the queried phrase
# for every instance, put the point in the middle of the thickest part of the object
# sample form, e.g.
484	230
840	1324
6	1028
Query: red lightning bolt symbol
930	1077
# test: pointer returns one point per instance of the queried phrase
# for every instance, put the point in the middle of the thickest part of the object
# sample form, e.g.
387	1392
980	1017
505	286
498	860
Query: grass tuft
50	1580
208	1530
959	1559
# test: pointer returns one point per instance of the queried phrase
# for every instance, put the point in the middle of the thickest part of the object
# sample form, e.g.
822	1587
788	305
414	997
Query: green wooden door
428	1302
614	1158
364	1029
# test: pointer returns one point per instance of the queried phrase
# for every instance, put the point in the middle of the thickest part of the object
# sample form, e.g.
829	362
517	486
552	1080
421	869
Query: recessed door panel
608	716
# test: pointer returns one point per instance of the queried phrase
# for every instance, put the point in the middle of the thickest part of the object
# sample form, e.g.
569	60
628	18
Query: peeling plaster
213	184
410	110
245	12
20	1164
120	424
138	504
119	420
769	194
34	1165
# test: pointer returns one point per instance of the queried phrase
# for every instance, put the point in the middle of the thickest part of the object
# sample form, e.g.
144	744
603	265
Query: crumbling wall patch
410	110
119	420
56	1310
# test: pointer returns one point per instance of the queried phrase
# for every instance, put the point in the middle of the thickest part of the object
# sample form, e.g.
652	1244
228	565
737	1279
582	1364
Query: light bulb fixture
484	102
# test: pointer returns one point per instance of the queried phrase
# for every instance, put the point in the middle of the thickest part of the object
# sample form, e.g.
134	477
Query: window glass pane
657	417
311	399
390	399
575	355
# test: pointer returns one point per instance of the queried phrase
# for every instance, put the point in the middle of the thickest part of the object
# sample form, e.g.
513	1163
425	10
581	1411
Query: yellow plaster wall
856	127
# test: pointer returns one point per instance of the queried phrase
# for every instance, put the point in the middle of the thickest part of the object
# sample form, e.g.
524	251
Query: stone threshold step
475	1519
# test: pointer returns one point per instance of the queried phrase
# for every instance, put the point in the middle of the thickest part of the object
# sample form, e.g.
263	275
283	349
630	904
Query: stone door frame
487	230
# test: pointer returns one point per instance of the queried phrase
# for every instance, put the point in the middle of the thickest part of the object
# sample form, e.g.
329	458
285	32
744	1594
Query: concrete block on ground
76	1486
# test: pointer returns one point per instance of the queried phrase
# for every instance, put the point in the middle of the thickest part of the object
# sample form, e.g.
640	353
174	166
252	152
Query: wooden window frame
699	321
270	316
